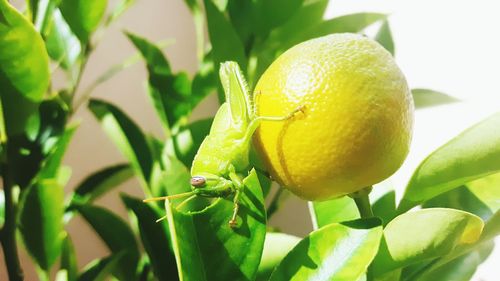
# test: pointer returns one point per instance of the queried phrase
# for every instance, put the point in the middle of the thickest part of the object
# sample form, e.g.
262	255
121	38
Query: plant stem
85	59
363	202
8	233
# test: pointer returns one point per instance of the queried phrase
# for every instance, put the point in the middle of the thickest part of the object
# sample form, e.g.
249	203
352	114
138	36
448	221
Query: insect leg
185	202
280	118
238	184
256	122
232	222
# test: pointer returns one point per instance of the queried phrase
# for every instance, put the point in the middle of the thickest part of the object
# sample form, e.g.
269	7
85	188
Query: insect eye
198	181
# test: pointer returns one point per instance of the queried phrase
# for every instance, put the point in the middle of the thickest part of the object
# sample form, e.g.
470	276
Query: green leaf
385	207
52	163
68	260
460	269
334	252
310	14
101	269
62	44
35	153
2	208
473	154
152	54
118	237
487	190
305	24
490	231
275	13
53	115
24	63
384	37
226	44
171	93
175	176
333	211
41	13
119	9
25	158
20	114
112	71
155	238
276	247
3	131
394	275
102	181
173	179
462	199
41	222
126	135
405	243
83	16
427	98
206	79
188	139
347	23
207	248
243	17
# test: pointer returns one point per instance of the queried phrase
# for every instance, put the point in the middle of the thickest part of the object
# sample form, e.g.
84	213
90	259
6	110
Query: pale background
450	46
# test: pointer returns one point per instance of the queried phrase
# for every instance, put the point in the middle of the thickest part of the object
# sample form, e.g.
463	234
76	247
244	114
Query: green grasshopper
223	157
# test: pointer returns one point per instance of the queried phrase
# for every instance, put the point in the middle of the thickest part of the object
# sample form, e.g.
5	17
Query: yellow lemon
356	125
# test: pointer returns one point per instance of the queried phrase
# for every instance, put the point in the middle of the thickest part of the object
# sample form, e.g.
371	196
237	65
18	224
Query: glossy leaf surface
226	44
334	252
197	236
41	222
100	182
83	16
408	238
171	93
188	139
24	62
276	247
118	237
155	238
126	135
68	260
333	211
491	230
460	269
347	23
62	44
462	199
473	154
101	269
384	37
487	190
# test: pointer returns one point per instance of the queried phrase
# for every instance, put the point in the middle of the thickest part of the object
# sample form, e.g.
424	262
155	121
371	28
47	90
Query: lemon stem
363	202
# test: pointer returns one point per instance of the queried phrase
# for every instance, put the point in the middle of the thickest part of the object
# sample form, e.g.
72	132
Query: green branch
363	202
8	232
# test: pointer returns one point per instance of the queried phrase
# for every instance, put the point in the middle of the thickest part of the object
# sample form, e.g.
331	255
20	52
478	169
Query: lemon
356	125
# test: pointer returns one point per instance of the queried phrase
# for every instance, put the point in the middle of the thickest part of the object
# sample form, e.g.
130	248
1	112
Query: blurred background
449	46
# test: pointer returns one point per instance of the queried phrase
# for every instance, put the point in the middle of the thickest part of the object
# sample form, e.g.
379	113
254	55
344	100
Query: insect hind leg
233	221
281	118
238	185
256	122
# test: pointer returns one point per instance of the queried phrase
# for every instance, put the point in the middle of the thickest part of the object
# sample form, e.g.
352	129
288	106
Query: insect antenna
170	197
185	201
160	219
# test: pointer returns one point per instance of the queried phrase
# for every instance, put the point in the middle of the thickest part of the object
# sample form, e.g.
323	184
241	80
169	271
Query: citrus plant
456	186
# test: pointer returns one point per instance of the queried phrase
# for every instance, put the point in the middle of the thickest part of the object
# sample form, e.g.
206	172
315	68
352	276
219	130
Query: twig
8	232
